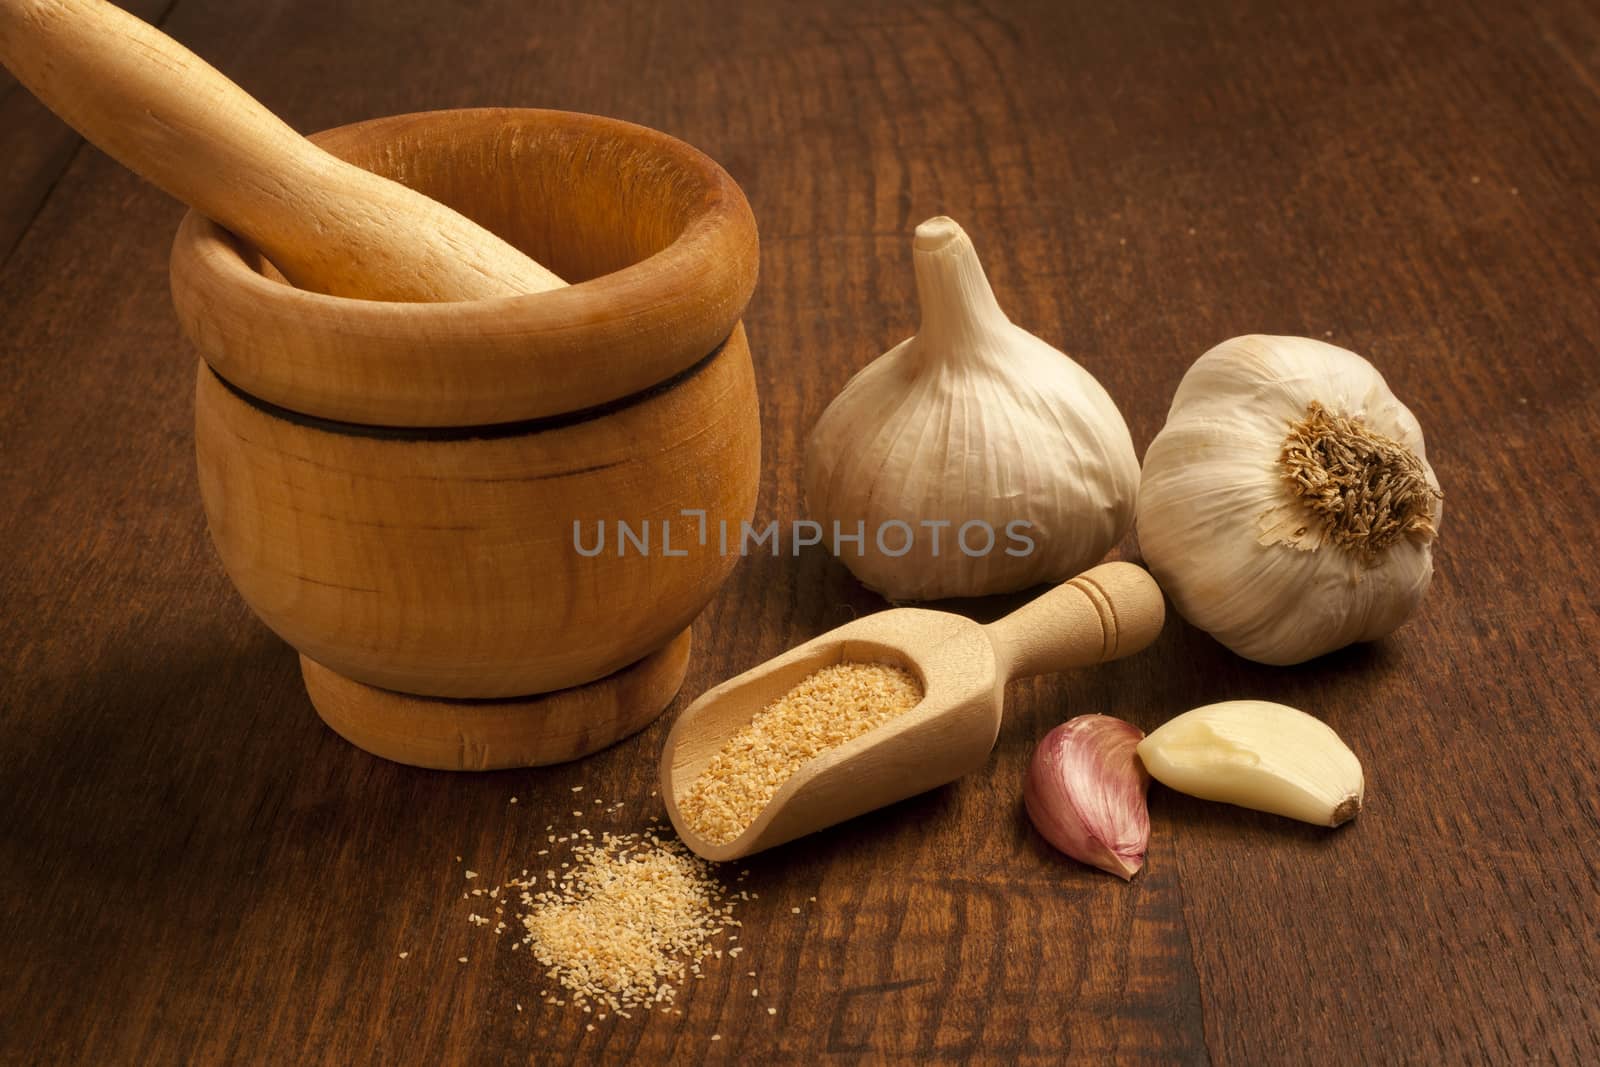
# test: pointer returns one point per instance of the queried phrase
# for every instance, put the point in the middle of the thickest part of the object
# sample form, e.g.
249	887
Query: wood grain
195	869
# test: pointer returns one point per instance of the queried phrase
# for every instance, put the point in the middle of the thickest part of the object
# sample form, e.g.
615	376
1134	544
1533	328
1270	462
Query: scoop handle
1105	613
166	114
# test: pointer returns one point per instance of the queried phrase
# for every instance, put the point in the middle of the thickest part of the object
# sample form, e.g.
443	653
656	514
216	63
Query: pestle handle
166	114
1105	613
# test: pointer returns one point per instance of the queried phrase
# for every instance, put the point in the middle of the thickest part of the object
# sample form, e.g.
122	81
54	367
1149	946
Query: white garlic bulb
972	458
1287	507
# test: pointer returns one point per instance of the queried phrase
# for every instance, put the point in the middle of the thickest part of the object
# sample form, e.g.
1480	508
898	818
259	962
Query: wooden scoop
326	225
1111	611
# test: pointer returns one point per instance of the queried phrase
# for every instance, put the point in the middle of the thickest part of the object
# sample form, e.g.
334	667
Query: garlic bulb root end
1366	490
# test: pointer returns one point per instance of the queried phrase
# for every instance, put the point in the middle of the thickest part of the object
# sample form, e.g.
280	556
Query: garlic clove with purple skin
1085	793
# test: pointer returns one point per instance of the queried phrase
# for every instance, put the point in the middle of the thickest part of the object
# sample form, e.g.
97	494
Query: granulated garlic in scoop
827	708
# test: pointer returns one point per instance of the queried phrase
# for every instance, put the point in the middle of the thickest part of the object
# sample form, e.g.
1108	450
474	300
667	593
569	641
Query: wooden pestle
166	114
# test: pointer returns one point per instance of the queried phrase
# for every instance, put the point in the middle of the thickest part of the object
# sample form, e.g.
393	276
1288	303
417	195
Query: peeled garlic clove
972	458
1086	793
1287	506
1260	755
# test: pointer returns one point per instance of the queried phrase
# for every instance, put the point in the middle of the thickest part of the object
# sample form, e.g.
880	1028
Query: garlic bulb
1287	507
1259	755
972	458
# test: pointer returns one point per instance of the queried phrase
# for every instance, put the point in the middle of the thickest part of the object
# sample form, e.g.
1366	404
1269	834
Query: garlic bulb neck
958	307
1369	491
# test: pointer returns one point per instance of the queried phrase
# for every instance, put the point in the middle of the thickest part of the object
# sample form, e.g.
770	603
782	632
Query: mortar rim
506	359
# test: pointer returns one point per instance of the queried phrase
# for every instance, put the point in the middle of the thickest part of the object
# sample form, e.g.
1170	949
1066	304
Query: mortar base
480	735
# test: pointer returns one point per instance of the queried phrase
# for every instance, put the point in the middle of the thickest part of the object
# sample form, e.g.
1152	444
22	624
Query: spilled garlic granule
627	922
827	708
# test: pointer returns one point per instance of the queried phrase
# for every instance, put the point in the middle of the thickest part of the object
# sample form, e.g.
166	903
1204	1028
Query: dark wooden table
193	869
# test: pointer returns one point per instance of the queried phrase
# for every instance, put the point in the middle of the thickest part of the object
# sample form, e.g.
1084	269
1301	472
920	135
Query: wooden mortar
393	487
